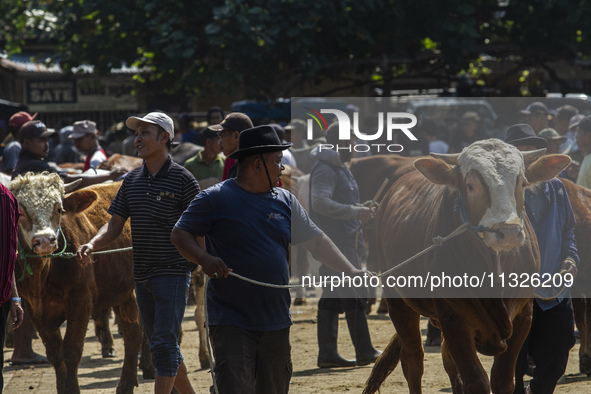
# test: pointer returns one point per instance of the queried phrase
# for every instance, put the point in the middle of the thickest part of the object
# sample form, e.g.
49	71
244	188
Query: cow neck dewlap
499	164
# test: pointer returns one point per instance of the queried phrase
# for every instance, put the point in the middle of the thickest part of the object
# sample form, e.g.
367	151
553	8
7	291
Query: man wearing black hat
248	224
551	334
537	116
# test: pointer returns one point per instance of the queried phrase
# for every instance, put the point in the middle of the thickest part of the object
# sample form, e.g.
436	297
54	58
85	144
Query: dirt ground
98	375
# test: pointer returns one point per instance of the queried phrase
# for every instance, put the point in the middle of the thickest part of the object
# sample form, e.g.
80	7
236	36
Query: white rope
437	241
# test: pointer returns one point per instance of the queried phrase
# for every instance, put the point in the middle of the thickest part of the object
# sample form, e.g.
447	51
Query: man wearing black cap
34	138
248	224
551	334
229	130
537	116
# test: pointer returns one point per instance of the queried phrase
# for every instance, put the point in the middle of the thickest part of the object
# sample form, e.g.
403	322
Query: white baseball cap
157	118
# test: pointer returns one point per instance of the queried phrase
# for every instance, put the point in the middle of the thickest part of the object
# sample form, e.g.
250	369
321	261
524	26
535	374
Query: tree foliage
270	47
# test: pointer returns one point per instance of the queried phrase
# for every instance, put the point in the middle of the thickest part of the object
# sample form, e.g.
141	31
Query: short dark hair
566	112
212	110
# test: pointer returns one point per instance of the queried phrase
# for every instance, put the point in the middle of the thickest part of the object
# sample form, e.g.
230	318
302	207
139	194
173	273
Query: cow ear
437	171
546	168
79	201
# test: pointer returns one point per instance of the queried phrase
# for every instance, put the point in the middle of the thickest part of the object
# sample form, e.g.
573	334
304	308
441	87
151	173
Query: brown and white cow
58	289
491	176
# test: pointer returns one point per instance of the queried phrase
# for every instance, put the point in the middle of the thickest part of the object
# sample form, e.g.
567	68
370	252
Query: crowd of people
187	215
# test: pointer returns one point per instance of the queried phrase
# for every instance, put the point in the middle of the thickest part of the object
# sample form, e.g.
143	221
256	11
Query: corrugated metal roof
23	63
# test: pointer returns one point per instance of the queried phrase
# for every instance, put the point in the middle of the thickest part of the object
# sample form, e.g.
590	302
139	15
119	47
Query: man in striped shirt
154	196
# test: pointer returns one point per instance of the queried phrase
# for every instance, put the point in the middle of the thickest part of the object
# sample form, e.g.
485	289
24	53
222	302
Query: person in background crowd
288	158
12	149
334	207
207	166
468	132
65	152
552	334
537	116
187	132
249	323
562	124
84	135
229	130
554	140
295	132
215	115
154	196
9	299
584	143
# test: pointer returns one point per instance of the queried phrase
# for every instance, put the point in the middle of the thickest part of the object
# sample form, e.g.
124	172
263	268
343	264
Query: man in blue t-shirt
551	335
248	224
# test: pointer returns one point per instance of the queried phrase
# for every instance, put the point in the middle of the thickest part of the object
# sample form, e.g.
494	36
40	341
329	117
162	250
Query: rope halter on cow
23	255
459	207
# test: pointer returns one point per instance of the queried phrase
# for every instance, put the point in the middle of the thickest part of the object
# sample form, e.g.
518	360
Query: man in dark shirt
250	323
154	196
551	335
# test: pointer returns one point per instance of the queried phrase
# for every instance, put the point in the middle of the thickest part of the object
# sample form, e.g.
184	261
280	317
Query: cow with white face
58	289
484	187
491	178
41	209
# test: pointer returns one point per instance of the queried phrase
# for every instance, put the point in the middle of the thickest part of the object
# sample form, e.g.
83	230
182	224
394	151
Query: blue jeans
162	301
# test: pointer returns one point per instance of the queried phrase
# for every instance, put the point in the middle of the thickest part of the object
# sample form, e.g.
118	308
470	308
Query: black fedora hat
260	139
523	134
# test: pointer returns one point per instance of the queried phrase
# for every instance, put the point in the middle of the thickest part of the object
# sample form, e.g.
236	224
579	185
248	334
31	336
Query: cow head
41	203
492	177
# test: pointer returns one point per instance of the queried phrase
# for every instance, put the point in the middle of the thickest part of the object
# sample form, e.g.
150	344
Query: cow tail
384	366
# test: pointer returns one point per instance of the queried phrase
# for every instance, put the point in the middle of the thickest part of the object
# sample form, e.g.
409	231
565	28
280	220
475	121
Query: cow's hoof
585	364
299	301
109	353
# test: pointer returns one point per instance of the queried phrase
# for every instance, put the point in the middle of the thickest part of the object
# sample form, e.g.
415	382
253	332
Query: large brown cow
59	289
491	177
371	171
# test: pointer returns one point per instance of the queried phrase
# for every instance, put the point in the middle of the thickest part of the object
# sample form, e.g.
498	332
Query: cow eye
523	184
60	211
470	187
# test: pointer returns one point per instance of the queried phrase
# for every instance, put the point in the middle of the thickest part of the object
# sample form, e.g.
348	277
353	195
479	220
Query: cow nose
44	245
509	234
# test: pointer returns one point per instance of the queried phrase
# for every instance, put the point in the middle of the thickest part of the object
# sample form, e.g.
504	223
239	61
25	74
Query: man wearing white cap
84	135
154	196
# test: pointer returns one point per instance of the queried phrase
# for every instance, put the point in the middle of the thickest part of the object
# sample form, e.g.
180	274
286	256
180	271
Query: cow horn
69	187
530	156
451	158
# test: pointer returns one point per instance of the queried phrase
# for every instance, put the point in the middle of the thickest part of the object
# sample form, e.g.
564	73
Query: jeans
162	301
249	362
